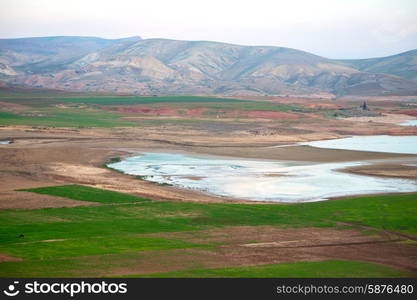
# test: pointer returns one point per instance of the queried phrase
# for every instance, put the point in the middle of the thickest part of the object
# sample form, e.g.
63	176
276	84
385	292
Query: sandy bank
44	159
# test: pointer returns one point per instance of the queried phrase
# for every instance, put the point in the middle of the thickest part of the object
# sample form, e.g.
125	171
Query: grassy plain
86	193
324	269
74	233
72	117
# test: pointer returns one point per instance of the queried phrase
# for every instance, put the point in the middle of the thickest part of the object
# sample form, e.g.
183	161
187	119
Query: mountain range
161	66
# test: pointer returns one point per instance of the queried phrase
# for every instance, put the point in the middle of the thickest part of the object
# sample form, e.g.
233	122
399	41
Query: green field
90	112
33	102
148	100
81	118
86	193
93	246
321	269
71	117
56	238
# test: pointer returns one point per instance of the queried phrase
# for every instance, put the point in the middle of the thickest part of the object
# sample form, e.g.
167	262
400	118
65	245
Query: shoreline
35	160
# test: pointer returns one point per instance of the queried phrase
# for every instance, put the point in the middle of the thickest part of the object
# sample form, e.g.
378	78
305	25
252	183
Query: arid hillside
161	66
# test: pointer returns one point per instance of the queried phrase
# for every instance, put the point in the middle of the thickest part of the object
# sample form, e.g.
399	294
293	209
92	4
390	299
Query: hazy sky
331	28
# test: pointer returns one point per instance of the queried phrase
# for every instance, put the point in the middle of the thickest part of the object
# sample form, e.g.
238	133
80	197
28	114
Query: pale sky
331	28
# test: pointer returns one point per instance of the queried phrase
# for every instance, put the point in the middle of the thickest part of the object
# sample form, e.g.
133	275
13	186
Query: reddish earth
197	112
411	112
165	111
5	257
264	114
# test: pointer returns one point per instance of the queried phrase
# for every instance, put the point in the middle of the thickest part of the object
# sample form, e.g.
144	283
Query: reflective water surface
376	143
260	180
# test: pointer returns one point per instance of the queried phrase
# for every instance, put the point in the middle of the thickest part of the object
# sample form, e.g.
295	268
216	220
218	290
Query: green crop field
323	269
80	240
33	102
93	246
71	117
86	193
149	100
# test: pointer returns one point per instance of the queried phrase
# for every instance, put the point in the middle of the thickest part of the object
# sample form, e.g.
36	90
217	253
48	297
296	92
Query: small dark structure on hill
364	106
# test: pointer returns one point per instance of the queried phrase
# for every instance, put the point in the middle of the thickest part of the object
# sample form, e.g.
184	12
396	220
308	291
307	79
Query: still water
260	180
375	143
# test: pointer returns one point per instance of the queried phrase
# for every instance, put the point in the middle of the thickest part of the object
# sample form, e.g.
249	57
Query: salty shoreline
35	160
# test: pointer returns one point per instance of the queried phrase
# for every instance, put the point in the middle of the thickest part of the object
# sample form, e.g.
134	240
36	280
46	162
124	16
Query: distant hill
162	66
49	54
403	65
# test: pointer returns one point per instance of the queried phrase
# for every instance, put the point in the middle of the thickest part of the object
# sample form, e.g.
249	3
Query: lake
375	143
261	180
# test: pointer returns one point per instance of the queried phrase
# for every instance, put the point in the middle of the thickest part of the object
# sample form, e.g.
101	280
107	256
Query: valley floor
84	229
182	230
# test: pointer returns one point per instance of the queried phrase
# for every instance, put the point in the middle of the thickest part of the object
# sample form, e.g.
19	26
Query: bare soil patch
27	200
6	257
394	119
393	169
411	112
196	178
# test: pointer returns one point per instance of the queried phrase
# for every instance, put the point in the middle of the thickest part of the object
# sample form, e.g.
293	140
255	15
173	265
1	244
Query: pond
5	142
261	180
